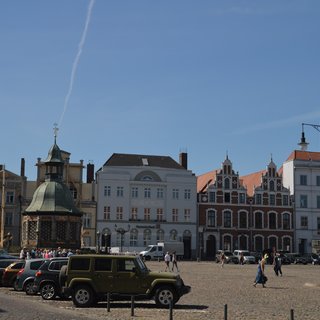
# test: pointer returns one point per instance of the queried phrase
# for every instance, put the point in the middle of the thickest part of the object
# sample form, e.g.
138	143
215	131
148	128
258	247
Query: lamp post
105	243
98	241
122	232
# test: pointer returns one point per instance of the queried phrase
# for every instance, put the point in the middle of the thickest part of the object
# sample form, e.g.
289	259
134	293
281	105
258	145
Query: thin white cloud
298	119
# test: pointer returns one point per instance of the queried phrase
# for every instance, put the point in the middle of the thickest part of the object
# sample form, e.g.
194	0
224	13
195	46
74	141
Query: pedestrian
277	265
261	277
241	259
223	259
174	261
167	261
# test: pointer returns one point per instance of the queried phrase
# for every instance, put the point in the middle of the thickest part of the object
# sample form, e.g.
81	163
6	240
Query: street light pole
98	241
122	232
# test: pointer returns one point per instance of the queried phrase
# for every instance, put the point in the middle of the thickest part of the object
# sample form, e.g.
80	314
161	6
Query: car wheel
164	295
28	288
48	291
83	296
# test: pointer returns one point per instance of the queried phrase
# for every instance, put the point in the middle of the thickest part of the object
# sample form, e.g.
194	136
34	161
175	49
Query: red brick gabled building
252	212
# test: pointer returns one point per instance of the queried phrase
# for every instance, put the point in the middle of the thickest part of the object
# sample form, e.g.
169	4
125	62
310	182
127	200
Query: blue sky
157	77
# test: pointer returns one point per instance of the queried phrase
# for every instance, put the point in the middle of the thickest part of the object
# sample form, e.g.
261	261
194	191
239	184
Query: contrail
76	60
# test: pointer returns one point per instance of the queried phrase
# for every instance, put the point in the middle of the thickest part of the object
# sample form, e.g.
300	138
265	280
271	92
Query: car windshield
147	248
141	264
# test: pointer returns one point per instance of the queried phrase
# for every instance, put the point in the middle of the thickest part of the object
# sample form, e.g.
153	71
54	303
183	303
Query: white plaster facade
153	200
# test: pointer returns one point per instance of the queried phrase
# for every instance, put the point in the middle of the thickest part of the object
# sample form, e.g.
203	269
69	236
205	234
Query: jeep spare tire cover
63	275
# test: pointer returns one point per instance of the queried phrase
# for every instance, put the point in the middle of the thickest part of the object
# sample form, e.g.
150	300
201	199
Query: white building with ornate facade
149	198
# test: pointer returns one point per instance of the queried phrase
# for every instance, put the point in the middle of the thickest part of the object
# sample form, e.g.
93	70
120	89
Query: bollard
108	301
291	314
170	310
225	312
132	306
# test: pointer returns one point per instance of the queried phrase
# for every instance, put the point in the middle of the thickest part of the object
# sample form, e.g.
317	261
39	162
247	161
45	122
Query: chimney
90	172
22	167
183	160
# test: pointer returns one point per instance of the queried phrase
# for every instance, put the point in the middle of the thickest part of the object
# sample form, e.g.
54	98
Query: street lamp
122	232
105	243
98	241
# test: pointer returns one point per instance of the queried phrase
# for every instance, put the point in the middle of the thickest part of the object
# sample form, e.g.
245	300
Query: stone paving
214	287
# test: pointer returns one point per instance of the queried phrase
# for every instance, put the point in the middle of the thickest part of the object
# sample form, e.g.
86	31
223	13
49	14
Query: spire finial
55	131
227	157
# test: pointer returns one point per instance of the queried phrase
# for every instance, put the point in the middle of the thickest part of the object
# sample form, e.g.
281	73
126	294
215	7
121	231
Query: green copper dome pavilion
52	219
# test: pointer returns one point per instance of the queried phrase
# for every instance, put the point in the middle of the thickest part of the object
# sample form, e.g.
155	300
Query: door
211	247
102	275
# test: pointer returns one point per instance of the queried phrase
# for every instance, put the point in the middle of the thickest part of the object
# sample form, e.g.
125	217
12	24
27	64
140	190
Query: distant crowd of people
46	253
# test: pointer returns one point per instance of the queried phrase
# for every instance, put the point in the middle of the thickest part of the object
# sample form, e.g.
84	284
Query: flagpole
2	205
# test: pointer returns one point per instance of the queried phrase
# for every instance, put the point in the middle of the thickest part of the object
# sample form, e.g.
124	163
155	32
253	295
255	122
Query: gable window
227	197
227	183
271	185
212	196
242	197
272	200
258	198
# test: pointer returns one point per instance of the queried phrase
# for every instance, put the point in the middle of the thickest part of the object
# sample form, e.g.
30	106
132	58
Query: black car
46	280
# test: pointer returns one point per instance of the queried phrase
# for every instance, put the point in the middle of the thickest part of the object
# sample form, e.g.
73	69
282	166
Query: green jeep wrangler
89	278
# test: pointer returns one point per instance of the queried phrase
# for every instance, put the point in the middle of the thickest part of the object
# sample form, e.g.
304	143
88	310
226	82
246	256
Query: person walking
223	259
261	277
167	259
174	261
277	265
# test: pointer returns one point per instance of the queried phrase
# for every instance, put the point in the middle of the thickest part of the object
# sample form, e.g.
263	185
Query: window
10	197
74	192
318	225
125	265
119	213
147	192
159	214
147	214
173	235
146	237
80	264
242	219
160	193
211	218
285	200
86	220
107	191
286	221
227	219
303	180
160	235
227	183
272	220
212	196
318	202
258	198
258	220
303	201
187	215
119	191
227	197
133	237
102	264
242	198
134	213
175	193
134	192
271	185
304	222
175	215
8	219
318	181
106	213
272	200
187	194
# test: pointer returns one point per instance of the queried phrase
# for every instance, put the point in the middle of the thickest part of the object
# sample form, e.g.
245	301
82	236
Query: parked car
311	258
25	277
257	256
229	257
5	255
315	258
10	273
88	278
296	258
4	263
46	280
284	259
247	257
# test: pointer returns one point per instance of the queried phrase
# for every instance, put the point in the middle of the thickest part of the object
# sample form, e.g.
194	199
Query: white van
247	257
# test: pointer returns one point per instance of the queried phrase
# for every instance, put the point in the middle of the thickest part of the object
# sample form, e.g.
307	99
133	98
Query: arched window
173	235
258	244
271	185
227	183
227	219
286	244
272	220
258	220
133	238
286	221
146	237
243	221
227	241
273	243
160	235
211	218
243	242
